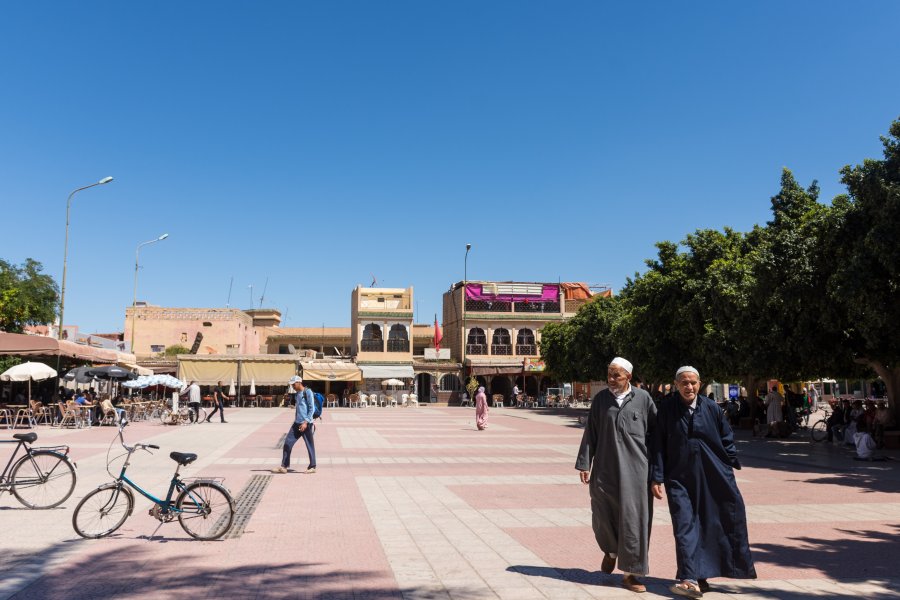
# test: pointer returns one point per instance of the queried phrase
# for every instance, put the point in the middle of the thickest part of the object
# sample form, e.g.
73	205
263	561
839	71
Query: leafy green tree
27	296
580	349
865	271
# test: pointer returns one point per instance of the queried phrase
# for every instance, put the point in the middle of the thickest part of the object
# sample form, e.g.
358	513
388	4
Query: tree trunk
891	378
751	384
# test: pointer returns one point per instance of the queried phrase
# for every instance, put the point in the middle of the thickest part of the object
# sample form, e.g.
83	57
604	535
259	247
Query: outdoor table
267	400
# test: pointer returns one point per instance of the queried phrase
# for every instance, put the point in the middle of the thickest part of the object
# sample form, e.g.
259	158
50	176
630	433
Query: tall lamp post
62	295
465	334
137	255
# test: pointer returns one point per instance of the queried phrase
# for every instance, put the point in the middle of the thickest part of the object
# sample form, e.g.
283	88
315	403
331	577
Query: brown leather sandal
687	589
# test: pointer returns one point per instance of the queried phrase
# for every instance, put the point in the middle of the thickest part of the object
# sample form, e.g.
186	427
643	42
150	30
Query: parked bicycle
184	414
42	478
203	507
819	430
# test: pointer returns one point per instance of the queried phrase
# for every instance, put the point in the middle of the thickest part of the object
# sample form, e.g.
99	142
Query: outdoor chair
23	417
404	399
353	399
362	401
6	418
389	401
41	413
465	400
531	402
498	400
331	400
68	417
108	414
413	400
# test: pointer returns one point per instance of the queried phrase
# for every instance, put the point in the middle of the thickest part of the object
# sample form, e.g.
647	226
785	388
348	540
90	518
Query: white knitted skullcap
687	369
621	362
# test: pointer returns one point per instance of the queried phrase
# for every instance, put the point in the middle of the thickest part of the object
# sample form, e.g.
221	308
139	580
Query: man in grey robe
613	459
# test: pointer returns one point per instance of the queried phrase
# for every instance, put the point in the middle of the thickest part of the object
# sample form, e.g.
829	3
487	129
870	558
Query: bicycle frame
4	481
167	505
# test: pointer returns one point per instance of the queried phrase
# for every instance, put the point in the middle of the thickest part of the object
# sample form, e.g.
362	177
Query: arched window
500	342
476	342
372	340
525	344
398	339
450	383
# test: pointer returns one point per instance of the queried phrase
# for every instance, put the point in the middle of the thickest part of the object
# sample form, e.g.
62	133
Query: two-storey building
381	330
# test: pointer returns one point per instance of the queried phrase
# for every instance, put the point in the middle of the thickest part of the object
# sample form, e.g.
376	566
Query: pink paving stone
531	496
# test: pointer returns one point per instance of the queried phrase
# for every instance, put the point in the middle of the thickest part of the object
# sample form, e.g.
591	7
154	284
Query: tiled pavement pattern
415	503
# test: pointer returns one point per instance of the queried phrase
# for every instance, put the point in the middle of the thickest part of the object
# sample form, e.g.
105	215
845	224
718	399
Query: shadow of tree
124	569
857	554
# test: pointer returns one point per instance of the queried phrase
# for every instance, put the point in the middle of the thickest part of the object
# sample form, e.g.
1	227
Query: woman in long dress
481	409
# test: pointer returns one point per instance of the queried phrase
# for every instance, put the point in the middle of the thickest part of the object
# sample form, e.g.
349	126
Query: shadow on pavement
856	554
130	571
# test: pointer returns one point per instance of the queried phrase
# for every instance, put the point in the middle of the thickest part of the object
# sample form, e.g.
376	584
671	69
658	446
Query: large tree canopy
27	296
814	292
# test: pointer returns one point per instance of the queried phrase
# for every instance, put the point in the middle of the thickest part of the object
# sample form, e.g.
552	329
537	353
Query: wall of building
225	330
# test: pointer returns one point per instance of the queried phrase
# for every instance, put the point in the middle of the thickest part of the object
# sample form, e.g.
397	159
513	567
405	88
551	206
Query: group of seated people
860	424
95	405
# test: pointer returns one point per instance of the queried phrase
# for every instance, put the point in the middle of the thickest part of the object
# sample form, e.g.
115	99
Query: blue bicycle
203	507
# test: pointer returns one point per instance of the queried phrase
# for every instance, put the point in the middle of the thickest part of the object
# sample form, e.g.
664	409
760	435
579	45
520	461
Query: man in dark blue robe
694	456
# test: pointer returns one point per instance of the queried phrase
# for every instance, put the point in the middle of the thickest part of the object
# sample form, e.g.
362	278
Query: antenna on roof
374	280
228	302
261	298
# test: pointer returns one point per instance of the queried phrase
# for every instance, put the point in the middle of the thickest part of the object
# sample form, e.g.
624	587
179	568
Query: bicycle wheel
43	479
819	431
165	416
102	511
201	415
206	510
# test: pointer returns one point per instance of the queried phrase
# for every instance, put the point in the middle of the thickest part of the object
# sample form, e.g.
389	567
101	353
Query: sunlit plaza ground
415	503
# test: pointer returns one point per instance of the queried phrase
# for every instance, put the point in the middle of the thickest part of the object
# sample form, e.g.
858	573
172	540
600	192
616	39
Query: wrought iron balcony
526	349
486	306
372	346
476	349
501	349
398	346
536	307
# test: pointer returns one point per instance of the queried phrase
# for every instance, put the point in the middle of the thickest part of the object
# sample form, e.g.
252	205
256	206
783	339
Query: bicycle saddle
26	437
183	458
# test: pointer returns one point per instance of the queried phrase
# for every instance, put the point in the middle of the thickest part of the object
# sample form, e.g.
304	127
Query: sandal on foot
703	584
686	588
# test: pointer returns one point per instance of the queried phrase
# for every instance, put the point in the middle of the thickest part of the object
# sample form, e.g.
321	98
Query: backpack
319	405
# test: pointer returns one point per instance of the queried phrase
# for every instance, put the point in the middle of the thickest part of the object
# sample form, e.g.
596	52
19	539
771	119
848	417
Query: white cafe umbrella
392	382
252	387
231	391
29	371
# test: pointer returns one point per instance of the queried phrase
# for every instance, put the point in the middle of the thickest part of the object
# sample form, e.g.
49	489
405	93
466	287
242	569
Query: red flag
437	334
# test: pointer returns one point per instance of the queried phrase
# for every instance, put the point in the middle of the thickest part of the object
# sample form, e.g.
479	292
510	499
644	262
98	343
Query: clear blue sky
317	143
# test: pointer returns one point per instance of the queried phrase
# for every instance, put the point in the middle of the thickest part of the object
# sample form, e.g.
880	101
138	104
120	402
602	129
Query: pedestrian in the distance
302	427
614	460
218	403
694	456
481	409
193	393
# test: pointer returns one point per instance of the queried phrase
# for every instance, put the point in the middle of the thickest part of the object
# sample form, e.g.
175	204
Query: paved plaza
417	504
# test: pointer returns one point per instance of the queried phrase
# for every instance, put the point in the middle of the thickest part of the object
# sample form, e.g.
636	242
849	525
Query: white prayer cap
687	369
621	362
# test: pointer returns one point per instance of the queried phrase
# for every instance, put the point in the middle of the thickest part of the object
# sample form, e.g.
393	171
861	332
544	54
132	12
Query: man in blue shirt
303	426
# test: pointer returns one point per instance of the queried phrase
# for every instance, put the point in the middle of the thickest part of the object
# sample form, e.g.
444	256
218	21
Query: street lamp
465	333
137	254
62	295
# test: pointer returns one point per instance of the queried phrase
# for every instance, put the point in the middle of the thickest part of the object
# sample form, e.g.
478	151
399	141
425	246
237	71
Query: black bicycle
42	478
819	431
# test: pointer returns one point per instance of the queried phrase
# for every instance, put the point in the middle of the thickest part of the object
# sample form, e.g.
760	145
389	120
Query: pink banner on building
549	293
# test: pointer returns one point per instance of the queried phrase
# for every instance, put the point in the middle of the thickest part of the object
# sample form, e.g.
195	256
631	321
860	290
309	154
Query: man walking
695	457
303	426
218	402
194	400
613	459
